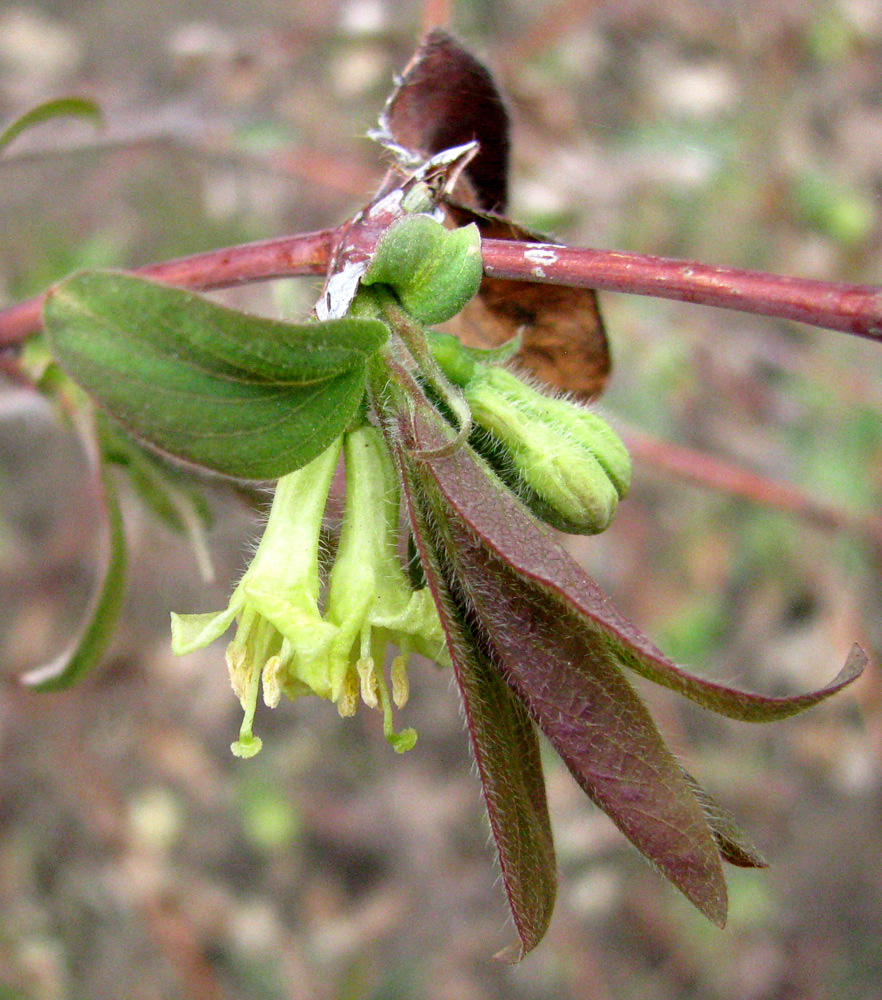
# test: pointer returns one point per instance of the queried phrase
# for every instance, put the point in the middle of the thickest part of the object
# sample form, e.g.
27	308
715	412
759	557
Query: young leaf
434	271
532	551
505	749
241	395
589	712
101	618
62	107
564	661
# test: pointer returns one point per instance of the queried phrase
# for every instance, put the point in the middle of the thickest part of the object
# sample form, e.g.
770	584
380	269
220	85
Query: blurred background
138	858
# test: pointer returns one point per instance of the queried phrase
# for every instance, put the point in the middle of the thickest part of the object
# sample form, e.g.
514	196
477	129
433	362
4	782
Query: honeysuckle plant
461	465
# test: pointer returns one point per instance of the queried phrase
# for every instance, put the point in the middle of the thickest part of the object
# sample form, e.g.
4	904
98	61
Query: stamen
400	682
370	681
272	684
347	703
235	657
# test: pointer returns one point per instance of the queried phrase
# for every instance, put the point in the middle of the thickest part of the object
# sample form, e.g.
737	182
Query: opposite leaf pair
532	640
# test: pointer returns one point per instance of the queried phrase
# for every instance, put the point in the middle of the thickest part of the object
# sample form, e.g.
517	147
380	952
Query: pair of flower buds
563	461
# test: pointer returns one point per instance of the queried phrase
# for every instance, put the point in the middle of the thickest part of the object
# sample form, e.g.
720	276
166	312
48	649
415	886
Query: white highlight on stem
542	253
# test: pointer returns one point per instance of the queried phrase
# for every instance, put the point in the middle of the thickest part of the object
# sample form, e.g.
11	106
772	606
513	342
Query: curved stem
855	309
285	257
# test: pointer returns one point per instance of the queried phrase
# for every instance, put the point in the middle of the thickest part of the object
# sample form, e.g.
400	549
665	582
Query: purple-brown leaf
591	715
562	337
532	550
506	752
733	844
560	644
446	98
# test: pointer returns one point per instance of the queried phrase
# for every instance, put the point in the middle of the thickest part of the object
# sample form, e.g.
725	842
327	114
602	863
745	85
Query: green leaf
163	488
245	396
101	618
62	107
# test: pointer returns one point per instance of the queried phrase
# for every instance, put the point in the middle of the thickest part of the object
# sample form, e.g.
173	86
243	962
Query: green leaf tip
60	107
101	619
241	395
434	271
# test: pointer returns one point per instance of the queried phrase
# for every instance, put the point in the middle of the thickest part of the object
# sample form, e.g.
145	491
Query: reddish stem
718	474
308	253
853	309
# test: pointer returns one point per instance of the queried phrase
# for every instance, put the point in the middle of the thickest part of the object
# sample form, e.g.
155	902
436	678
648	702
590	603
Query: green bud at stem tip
434	271
570	457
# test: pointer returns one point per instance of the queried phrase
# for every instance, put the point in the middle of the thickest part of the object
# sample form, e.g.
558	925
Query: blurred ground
138	858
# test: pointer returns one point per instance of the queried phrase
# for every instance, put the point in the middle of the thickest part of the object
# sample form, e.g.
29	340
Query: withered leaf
562	336
447	97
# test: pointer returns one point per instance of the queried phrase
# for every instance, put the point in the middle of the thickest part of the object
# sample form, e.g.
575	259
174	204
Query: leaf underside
505	749
592	717
531	549
561	645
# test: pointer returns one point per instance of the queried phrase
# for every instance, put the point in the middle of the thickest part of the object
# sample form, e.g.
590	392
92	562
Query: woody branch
855	309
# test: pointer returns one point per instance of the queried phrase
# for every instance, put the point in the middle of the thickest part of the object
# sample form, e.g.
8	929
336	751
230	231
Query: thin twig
718	474
437	14
549	26
308	253
849	308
